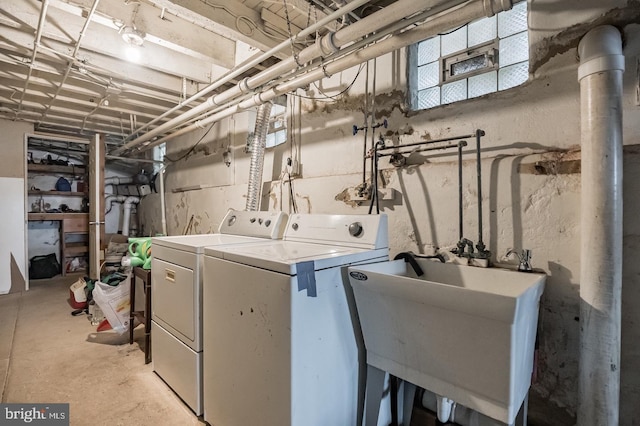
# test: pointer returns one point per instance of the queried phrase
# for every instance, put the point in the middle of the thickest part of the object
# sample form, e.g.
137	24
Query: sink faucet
461	245
524	258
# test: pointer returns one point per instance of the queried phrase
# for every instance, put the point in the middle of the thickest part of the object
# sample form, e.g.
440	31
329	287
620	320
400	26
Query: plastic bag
115	303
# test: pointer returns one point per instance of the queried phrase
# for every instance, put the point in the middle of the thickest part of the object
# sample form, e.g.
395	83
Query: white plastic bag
115	303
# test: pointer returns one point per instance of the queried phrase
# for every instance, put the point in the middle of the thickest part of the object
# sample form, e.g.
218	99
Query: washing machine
177	309
282	344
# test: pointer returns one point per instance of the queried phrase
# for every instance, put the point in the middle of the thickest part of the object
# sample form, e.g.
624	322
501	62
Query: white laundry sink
462	332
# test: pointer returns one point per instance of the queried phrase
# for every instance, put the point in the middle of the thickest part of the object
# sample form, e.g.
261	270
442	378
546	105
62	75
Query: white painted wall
536	122
12	165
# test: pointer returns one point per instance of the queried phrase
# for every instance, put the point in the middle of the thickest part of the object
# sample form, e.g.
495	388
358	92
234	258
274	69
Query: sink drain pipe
600	76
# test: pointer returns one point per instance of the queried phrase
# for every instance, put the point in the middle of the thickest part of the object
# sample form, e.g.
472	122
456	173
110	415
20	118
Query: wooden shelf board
52	168
59	193
72	248
56	216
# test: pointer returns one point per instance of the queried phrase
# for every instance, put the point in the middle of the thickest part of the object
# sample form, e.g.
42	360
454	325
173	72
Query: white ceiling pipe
331	42
36	45
453	18
326	45
258	59
600	76
414	20
233	74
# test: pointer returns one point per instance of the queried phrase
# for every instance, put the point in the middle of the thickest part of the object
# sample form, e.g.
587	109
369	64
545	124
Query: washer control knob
294	226
260	221
231	220
253	219
267	222
355	229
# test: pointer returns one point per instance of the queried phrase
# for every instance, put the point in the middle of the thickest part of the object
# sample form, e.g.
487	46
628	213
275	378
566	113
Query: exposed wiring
455	29
291	196
193	147
374	190
332	97
243	18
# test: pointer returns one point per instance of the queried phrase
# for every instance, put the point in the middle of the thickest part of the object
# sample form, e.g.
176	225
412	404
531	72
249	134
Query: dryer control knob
231	220
267	223
294	226
355	229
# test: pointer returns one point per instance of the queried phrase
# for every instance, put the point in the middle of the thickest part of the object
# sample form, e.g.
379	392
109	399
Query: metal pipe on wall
600	76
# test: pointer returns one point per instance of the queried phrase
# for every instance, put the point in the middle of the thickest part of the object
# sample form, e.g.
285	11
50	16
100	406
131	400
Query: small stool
143	316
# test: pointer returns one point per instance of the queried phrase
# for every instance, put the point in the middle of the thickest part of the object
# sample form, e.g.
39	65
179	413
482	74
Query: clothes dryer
177	309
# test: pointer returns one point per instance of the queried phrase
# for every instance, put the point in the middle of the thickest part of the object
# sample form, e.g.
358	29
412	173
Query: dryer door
175	299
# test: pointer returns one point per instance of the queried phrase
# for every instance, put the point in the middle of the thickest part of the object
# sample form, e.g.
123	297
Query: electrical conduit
600	76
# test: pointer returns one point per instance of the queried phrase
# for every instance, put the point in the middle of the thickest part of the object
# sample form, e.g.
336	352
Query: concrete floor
49	356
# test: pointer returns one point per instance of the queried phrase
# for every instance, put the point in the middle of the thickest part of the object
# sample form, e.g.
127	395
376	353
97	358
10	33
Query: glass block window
484	56
159	151
278	123
277	133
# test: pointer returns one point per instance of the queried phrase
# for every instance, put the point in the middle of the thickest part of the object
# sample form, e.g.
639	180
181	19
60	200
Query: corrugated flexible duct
257	146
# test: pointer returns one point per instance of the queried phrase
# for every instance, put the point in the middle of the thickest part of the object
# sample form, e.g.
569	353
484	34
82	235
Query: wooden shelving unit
73	227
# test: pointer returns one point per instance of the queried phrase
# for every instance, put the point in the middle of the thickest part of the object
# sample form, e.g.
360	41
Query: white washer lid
197	243
284	256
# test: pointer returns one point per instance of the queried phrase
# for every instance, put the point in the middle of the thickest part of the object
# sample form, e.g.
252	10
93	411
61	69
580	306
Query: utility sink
462	332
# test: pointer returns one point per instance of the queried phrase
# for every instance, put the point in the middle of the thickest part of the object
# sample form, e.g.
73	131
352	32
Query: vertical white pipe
163	203
126	219
600	76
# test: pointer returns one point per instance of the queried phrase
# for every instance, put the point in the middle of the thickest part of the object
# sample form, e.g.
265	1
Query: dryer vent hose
257	146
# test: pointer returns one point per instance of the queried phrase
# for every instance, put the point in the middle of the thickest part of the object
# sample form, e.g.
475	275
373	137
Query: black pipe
431	142
460	221
479	134
433	148
410	258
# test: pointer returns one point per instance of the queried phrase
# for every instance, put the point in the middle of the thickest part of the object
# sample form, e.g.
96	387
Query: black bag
46	266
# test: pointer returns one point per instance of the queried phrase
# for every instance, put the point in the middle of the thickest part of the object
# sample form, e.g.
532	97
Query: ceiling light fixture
132	36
